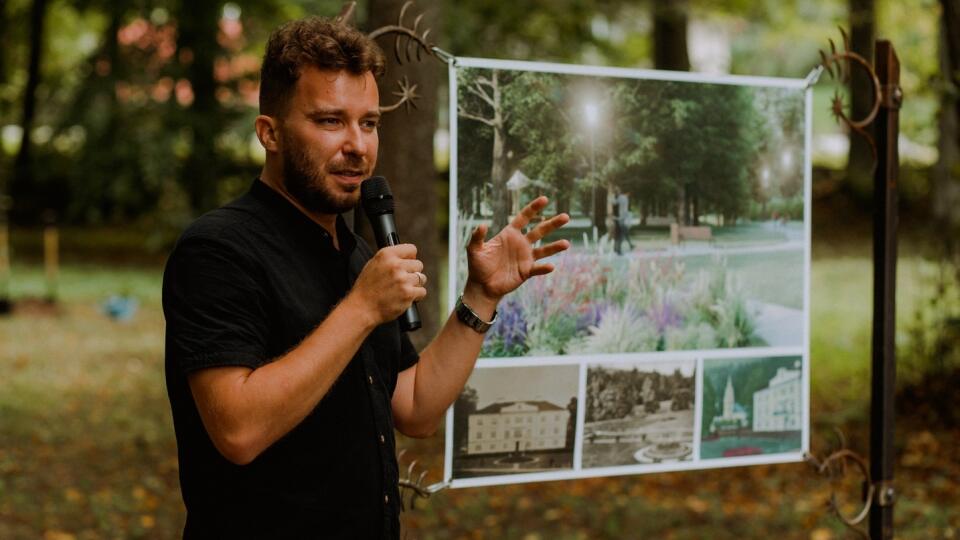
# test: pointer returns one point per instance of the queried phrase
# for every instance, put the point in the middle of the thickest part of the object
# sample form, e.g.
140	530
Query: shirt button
370	379
386	499
382	439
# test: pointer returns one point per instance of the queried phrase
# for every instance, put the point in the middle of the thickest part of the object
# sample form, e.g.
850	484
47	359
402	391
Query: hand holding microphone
393	279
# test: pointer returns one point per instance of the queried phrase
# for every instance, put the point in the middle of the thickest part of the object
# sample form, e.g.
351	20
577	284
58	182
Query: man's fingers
529	212
541	269
421	295
547	227
476	239
404	251
419	279
412	265
550	249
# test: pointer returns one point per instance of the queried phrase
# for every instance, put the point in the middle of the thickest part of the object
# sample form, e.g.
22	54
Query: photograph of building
777	407
517	426
733	417
515	420
639	413
751	406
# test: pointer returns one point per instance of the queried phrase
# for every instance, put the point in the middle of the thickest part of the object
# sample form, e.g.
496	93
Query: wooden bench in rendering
679	233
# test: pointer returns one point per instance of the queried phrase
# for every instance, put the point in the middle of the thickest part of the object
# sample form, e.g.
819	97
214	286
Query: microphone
377	202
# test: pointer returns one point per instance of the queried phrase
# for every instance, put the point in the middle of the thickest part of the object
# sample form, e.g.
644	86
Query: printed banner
673	334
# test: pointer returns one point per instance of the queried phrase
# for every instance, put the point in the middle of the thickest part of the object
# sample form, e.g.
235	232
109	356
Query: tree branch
478	91
465	114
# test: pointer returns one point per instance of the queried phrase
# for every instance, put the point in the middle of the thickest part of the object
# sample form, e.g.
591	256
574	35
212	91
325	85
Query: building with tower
734	416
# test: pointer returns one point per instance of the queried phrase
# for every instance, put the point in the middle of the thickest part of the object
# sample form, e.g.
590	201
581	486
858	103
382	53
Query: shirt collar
300	222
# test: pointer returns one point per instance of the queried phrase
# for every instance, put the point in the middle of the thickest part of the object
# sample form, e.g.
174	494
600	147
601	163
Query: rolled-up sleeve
215	312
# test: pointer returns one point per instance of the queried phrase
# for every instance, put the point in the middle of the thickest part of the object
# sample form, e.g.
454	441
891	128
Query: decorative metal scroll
840	65
409	44
834	467
411	484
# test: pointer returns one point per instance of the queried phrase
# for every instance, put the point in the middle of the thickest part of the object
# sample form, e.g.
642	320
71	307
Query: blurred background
122	120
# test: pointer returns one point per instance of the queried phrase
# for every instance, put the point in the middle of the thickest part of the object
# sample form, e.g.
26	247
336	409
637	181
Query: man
285	366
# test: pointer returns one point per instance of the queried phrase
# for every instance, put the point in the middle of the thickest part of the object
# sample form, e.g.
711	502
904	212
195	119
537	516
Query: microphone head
375	196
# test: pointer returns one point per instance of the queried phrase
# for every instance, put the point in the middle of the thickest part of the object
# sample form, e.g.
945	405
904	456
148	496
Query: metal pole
883	372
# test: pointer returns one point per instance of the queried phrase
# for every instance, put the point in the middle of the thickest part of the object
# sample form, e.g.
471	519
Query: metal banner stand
887	130
878	494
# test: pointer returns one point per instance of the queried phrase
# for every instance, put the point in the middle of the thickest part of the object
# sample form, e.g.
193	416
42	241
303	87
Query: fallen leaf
821	534
696	504
58	535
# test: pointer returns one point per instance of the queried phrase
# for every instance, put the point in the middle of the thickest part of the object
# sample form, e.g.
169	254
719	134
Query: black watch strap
468	317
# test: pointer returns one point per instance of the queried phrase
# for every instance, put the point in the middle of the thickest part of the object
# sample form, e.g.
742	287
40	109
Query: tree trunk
687	219
563	201
23	165
862	36
498	172
670	35
101	162
406	158
600	209
197	47
670	52
3	46
946	173
3	81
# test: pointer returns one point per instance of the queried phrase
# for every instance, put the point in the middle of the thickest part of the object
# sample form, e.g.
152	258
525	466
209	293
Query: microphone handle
386	232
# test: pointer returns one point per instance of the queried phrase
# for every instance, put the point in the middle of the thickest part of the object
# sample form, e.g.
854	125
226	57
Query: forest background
121	121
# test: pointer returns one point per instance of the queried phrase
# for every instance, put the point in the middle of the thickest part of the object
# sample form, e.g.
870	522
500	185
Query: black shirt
244	285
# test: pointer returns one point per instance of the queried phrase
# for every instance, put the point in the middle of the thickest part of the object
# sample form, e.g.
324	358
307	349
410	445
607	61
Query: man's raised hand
506	261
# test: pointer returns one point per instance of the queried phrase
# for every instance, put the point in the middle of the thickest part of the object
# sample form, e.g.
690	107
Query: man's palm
509	258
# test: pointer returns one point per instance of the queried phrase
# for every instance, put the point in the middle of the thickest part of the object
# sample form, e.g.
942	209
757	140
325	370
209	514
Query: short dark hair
318	42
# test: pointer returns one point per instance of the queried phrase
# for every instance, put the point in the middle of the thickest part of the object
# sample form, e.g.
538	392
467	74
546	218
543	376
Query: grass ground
775	277
87	449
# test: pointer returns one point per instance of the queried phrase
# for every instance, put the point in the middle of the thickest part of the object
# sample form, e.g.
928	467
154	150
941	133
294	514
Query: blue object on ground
120	308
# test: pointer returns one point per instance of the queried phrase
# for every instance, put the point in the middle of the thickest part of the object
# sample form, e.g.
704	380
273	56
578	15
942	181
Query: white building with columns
517	426
778	406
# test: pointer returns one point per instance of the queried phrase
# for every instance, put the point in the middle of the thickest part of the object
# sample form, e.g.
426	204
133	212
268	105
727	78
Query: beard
306	183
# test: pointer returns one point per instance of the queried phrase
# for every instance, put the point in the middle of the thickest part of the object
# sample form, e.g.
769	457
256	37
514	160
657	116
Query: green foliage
614	393
934	333
621	329
104	161
719	302
532	29
595	303
121	113
716	147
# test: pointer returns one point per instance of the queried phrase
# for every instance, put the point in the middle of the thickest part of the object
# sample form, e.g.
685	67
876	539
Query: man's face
329	139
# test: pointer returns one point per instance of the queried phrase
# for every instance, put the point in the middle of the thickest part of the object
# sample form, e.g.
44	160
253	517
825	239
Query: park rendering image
711	180
689	231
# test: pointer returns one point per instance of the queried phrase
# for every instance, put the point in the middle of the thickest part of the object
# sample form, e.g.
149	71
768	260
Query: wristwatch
468	317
